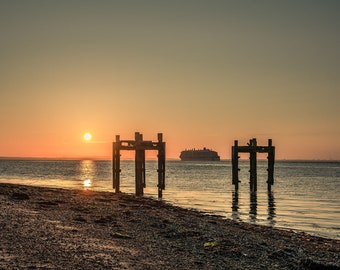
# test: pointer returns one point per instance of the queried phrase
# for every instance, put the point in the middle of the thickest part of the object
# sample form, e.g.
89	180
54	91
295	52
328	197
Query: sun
87	136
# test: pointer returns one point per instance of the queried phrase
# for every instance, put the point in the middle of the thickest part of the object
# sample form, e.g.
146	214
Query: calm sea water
305	195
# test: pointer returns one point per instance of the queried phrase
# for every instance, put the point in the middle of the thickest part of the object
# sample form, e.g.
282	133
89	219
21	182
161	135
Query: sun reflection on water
87	171
87	183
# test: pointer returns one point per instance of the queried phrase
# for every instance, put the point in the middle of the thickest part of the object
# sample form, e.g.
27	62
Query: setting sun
87	136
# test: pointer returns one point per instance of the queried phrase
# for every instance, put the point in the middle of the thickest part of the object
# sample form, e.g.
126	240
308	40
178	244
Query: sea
304	197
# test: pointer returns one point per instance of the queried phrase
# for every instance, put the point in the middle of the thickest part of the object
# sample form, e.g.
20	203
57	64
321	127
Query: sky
203	73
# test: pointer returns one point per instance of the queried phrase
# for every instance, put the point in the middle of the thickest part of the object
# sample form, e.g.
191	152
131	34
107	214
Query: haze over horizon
204	73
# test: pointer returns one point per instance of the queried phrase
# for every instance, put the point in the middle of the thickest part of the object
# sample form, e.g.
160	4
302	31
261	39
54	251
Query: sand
47	228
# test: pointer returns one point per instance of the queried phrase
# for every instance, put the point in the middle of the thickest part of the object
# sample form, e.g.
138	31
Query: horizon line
151	159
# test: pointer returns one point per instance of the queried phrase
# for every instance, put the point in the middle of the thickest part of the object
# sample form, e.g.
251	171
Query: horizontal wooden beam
258	149
141	146
133	148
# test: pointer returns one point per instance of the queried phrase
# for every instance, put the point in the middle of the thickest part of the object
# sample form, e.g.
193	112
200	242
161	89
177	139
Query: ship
199	155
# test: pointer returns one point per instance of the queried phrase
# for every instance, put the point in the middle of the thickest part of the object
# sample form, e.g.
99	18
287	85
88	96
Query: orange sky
202	72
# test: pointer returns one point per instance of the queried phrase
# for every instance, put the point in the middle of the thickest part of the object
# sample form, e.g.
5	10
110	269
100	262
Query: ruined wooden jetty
252	148
139	146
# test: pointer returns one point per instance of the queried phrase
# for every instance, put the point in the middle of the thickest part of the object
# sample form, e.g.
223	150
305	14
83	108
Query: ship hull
199	159
199	155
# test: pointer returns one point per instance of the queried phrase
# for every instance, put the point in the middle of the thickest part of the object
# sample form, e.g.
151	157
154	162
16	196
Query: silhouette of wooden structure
139	146
252	148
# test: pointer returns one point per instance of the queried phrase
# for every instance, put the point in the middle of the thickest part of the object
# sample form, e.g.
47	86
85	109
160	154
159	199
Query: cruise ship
199	155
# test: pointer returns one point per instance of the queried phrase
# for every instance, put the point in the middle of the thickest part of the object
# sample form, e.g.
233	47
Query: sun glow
87	136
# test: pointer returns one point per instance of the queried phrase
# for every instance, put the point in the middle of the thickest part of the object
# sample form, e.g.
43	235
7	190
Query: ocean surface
304	197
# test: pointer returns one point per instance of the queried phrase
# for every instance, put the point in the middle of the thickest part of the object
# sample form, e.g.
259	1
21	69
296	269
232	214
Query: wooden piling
114	184
253	164
116	164
139	146
252	148
235	168
271	161
161	165
139	165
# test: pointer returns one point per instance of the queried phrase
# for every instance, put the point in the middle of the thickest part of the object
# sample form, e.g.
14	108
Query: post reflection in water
271	210
235	214
253	205
87	170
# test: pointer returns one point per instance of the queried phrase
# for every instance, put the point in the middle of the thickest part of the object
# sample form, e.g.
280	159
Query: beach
51	228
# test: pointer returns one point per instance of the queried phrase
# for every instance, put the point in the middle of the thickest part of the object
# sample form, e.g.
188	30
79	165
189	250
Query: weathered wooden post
271	161
139	146
253	164
139	166
116	164
235	169
161	165
252	148
143	169
114	182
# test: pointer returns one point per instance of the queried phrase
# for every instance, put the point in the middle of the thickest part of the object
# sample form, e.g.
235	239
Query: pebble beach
50	228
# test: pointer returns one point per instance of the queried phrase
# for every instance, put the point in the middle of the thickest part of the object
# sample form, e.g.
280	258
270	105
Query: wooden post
235	169
116	164
139	164
161	165
114	184
271	161
253	164
136	164
143	183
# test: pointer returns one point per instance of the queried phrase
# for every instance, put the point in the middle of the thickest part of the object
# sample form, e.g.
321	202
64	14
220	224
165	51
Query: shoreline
51	228
321	232
155	159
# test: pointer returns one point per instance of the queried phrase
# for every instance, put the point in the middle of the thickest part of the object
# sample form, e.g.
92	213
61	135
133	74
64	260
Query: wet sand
47	228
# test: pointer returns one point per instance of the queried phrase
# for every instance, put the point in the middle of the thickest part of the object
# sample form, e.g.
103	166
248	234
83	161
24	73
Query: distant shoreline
154	159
